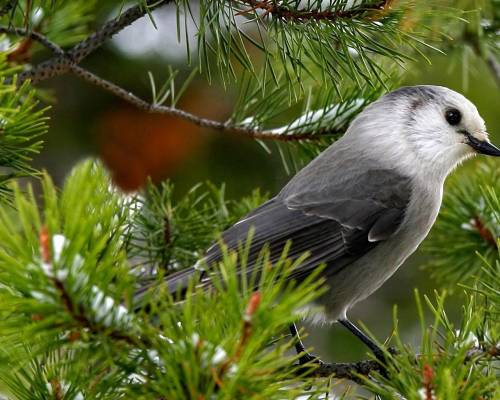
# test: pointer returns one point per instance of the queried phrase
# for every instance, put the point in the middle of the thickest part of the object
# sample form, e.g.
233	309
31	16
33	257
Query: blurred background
133	144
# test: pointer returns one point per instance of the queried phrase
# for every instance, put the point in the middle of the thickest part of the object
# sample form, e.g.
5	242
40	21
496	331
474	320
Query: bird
363	205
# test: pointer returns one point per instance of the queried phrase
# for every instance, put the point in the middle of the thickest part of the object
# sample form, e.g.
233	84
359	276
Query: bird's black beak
482	146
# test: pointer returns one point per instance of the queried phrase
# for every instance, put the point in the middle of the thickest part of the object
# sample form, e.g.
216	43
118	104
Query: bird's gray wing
336	223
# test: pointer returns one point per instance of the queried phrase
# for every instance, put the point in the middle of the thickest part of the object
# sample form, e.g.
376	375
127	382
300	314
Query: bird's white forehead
439	97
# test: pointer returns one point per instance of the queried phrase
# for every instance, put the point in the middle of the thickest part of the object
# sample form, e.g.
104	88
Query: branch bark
227	127
62	63
38	37
289	15
68	62
352	371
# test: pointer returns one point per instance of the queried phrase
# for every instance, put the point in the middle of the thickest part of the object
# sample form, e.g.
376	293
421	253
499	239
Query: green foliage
322	112
90	249
63	21
469	222
22	119
489	286
67	329
65	326
344	41
476	42
172	234
22	122
455	362
71	260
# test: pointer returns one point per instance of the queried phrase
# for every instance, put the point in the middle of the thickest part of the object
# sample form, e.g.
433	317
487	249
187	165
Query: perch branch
352	371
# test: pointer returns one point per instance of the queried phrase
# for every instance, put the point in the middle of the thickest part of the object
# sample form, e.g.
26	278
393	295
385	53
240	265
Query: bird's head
430	125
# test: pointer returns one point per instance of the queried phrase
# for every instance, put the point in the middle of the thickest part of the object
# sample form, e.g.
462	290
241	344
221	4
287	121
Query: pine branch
228	127
280	12
61	64
36	36
70	66
352	371
483	231
76	311
470	215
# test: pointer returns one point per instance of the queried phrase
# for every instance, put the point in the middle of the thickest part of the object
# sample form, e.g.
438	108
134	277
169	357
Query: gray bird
366	203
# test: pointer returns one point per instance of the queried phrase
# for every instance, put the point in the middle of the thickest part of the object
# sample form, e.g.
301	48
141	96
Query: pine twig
37	37
228	127
62	63
484	232
76	312
286	14
352	371
56	389
252	133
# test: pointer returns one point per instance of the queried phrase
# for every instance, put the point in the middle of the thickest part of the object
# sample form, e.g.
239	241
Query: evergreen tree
72	260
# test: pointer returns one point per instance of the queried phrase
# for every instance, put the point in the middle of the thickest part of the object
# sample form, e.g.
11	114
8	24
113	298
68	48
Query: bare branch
62	63
286	14
65	62
252	133
352	371
38	37
228	127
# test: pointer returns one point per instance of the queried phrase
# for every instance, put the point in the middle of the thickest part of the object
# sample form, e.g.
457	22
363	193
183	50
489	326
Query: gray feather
336	224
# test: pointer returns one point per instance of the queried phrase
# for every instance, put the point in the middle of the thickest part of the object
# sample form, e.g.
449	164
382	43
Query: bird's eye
453	116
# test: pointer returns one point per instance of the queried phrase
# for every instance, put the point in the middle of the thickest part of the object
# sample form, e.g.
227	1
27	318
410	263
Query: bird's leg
300	348
376	350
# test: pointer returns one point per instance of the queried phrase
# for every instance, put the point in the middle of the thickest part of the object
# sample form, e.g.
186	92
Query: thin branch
352	371
252	133
38	37
227	126
76	312
62	63
281	12
79	316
